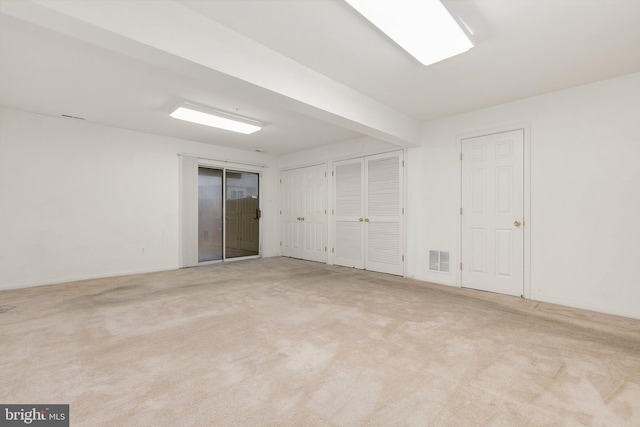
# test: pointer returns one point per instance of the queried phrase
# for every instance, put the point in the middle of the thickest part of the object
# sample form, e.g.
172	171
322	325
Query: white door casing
493	212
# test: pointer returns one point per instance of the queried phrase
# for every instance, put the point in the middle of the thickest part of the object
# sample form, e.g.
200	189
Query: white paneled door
492	212
304	213
368	217
290	214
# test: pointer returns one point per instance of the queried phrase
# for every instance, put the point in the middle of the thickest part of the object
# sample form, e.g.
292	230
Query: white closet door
314	216
348	230
292	210
383	216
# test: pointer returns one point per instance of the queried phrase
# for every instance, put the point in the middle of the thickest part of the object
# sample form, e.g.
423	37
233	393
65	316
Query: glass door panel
209	215
242	215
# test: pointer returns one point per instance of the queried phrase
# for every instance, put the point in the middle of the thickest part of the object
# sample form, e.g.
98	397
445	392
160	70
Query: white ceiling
314	70
50	73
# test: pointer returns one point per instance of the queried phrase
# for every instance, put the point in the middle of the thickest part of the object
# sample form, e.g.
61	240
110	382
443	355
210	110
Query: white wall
341	150
585	193
80	200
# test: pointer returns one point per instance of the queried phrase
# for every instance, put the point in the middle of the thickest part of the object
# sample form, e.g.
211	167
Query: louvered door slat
348	223
383	195
383	230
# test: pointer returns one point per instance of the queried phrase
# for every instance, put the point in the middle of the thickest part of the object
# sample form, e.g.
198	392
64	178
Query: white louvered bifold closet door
348	226
383	214
368	220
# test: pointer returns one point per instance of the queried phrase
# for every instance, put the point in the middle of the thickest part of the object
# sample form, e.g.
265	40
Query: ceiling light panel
214	118
424	28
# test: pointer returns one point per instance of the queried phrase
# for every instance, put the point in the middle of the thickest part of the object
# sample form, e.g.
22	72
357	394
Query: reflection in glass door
242	214
209	215
239	227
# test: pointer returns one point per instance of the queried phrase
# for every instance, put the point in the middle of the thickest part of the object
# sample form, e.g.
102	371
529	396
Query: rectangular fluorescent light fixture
217	119
424	28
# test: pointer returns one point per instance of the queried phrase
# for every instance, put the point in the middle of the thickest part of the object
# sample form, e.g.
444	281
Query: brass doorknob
360	219
517	223
366	220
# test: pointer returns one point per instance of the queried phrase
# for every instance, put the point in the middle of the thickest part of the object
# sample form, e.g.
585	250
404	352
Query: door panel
349	244
478	246
383	186
249	225
504	252
349	177
314	222
349	213
304	213
209	214
241	214
291	212
492	212
368	216
383	244
383	222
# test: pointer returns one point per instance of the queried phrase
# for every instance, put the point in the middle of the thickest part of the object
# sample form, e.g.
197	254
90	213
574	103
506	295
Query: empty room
319	212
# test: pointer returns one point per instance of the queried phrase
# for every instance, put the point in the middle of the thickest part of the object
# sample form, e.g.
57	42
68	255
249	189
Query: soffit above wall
314	70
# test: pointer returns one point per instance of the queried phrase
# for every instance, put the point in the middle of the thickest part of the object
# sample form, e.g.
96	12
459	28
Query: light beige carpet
293	343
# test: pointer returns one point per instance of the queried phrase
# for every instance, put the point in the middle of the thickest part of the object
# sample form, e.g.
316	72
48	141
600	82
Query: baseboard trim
13	286
584	306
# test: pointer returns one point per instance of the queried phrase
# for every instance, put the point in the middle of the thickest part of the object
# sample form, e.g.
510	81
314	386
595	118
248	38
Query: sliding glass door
210	226
242	214
236	233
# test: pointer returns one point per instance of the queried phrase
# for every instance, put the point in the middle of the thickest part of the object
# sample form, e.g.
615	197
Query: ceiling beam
174	29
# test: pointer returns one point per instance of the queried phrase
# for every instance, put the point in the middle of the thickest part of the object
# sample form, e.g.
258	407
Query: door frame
403	200
330	161
230	166
526	128
405	195
325	165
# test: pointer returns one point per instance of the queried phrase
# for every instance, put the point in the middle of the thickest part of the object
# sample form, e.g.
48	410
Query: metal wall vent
439	261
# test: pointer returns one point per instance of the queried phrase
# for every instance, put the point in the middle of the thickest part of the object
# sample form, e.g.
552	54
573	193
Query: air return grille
439	261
